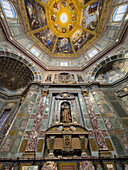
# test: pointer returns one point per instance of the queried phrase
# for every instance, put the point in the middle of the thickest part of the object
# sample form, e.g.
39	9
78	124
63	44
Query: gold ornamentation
40	145
109	144
67	140
20	114
93	144
73	10
23	145
44	92
12	132
85	93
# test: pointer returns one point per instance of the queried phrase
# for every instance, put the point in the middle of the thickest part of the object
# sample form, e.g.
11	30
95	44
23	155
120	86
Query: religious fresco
91	15
71	7
80	38
73	22
44	1
47	37
63	46
113	71
83	2
36	14
64	3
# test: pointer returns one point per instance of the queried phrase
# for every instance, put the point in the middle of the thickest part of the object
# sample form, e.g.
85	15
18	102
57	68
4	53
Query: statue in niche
79	77
65	113
48	79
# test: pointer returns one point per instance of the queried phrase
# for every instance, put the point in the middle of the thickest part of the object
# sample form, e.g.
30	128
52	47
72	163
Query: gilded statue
65	113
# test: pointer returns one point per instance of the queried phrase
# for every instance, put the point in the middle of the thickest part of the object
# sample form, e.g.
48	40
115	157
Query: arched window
8	9
119	13
35	52
63	63
92	53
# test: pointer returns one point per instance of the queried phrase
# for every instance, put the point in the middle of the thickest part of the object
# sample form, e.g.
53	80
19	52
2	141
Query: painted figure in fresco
64	3
31	10
79	38
74	18
71	7
36	14
65	113
63	46
91	14
56	26
53	17
47	37
93	8
56	7
82	2
42	14
45	1
70	27
63	30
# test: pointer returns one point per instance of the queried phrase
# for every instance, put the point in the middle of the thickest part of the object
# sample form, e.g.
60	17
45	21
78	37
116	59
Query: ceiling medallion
63	18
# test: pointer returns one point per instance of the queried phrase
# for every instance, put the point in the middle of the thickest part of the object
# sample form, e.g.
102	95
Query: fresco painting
36	14
113	72
64	3
83	2
44	1
91	15
63	46
47	37
80	38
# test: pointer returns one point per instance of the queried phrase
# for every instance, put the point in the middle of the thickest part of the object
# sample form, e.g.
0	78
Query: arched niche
17	56
14	75
112	71
119	62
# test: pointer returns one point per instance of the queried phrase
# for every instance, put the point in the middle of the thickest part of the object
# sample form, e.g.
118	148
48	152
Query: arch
17	56
119	12
106	60
8	9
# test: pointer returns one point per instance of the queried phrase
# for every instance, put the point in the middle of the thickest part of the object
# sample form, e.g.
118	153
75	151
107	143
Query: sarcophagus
67	139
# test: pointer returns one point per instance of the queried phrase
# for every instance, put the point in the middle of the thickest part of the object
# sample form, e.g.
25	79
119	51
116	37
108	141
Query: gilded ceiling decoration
63	28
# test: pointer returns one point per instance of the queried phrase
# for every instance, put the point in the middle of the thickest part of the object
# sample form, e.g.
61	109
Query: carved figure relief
65	96
64	78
